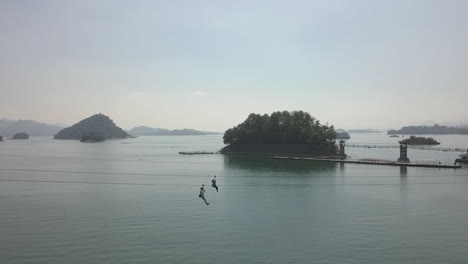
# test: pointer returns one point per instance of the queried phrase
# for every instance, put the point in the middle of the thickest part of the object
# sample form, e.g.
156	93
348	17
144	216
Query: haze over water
208	64
136	201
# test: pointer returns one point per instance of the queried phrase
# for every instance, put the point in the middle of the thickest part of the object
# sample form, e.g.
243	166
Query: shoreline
303	150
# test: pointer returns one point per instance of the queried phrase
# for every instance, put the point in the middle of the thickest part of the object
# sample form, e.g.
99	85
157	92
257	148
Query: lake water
136	201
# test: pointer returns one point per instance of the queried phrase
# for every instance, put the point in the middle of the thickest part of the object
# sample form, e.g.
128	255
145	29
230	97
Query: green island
21	135
95	128
281	133
430	130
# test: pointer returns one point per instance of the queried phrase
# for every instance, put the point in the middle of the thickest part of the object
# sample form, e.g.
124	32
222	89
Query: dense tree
93	136
296	127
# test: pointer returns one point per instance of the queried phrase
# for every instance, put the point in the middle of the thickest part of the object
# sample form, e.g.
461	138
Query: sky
208	64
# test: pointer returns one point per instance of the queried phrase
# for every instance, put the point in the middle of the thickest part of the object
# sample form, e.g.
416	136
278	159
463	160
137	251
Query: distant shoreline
429	130
177	135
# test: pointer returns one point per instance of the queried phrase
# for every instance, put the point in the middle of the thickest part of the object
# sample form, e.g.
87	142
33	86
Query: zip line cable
232	185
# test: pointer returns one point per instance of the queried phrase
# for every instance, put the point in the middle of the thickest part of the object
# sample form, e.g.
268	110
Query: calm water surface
136	201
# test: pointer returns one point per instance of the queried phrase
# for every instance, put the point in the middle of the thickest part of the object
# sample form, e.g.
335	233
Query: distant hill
9	128
97	123
429	130
149	131
364	131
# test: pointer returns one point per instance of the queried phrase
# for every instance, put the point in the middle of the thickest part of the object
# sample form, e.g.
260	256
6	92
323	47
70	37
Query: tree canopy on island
21	135
93	136
296	127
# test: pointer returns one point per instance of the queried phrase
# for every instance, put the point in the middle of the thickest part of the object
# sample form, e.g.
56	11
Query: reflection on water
403	171
403	180
268	164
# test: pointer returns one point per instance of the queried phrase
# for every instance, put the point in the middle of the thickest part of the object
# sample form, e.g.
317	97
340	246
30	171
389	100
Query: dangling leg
203	197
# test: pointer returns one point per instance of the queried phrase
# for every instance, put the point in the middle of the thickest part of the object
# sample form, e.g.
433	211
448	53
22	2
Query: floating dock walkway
417	147
374	162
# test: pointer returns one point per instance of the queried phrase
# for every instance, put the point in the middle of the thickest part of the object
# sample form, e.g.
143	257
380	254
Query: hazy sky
208	64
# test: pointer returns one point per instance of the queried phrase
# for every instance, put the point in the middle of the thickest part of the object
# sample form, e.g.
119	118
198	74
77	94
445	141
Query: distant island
282	133
98	124
369	130
21	135
342	135
149	131
1	138
429	130
8	128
